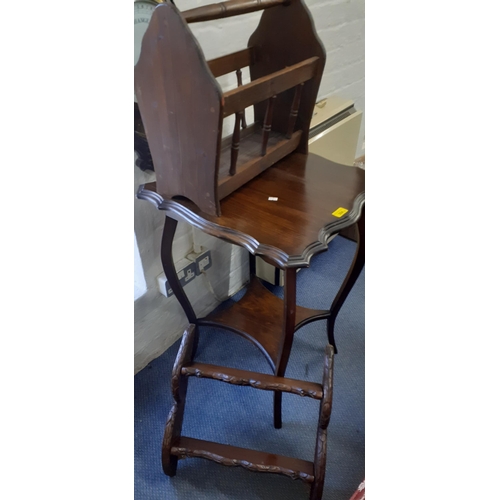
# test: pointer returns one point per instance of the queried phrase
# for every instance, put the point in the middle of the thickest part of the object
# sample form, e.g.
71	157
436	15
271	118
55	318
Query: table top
286	214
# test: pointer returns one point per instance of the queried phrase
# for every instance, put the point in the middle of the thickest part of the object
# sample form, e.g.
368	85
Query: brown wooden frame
177	116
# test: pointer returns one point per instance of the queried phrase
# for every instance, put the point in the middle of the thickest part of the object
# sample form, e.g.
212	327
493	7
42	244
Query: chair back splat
182	105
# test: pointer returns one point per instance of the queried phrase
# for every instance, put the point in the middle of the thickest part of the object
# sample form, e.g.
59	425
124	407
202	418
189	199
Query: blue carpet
242	416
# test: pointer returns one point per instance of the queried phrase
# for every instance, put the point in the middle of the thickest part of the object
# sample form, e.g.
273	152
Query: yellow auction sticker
340	212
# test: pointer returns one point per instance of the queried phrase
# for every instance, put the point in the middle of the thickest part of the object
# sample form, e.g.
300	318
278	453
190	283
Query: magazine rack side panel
181	107
286	36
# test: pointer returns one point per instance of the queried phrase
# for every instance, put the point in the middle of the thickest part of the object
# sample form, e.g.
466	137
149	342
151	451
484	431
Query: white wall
140	286
159	321
341	27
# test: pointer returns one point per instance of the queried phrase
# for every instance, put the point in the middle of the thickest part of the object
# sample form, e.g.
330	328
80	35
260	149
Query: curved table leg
288	331
171	274
351	277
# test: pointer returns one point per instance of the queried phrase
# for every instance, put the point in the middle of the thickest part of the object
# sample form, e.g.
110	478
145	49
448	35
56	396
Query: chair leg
357	265
179	389
173	428
324	419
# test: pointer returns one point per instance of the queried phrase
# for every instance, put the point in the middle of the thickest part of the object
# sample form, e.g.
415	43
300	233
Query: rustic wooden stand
223	187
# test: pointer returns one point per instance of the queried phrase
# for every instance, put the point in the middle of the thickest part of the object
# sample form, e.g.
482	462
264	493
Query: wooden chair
225	188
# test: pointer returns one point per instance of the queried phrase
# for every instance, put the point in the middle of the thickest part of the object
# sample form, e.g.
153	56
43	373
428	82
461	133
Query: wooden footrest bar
258	461
175	446
254	379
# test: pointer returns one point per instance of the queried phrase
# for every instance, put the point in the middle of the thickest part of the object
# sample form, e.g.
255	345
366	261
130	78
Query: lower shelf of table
259	317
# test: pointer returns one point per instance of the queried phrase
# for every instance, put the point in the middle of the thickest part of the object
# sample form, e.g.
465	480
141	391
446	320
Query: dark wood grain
273	49
256	380
167	260
267	125
319	465
350	279
228	9
324	420
286	339
258	316
184	357
180	104
257	461
173	426
251	161
294	111
282	205
289	232
230	62
267	86
326	403
235	145
239	80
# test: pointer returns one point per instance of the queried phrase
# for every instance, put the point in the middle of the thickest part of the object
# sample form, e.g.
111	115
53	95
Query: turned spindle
240	83
267	124
294	111
235	146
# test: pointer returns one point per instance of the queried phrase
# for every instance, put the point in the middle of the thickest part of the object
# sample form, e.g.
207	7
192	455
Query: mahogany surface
182	105
256	380
273	49
324	420
269	85
257	461
258	316
287	232
176	446
179	388
228	9
250	161
230	62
